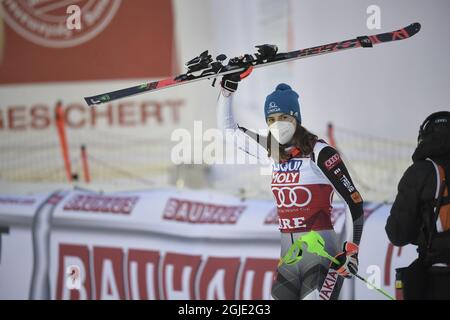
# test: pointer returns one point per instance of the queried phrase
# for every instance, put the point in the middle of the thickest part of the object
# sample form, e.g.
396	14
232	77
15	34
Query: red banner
117	40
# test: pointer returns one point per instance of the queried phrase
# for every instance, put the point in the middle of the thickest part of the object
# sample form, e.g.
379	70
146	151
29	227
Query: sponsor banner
153	266
151	245
136	113
101	204
131	134
190	213
20	209
27	110
201	212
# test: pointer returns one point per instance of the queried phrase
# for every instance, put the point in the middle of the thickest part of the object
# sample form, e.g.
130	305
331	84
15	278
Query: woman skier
305	173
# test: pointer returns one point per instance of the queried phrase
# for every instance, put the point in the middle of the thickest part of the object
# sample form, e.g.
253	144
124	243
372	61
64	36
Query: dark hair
303	140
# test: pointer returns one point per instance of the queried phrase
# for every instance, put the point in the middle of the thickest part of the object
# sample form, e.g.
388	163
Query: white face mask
282	131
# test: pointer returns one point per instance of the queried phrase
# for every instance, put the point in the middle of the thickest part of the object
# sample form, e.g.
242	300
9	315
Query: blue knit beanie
284	100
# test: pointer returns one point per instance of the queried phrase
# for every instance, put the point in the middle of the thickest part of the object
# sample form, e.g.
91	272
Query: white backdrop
386	91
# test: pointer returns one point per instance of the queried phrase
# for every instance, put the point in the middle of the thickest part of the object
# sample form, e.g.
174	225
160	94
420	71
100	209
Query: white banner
163	244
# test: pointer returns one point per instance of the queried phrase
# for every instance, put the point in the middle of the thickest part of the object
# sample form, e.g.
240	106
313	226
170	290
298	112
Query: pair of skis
204	67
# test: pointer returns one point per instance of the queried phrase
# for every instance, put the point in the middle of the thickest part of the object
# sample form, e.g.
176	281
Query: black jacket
416	190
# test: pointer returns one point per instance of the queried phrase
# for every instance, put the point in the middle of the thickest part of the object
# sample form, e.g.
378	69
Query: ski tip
90	102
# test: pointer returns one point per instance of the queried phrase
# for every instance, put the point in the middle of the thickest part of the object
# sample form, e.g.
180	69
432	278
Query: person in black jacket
420	214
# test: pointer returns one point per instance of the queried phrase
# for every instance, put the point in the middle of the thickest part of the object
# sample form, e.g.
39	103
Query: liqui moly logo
286	173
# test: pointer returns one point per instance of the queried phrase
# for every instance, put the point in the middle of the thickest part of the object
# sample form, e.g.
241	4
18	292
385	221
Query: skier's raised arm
247	140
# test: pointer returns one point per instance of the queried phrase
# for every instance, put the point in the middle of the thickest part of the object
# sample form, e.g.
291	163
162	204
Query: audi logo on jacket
303	188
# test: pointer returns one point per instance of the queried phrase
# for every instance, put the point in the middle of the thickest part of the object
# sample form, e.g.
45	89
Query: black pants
425	283
438	284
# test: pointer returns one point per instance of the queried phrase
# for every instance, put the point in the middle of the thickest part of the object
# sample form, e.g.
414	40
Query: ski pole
364	280
316	244
376	288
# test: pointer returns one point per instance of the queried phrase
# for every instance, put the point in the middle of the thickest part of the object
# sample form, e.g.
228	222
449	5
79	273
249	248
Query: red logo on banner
117	40
44	22
257	278
218	281
224	278
102	204
200	212
123	114
179	273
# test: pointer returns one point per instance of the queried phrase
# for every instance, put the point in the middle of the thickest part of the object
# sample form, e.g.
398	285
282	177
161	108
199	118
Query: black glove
230	81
